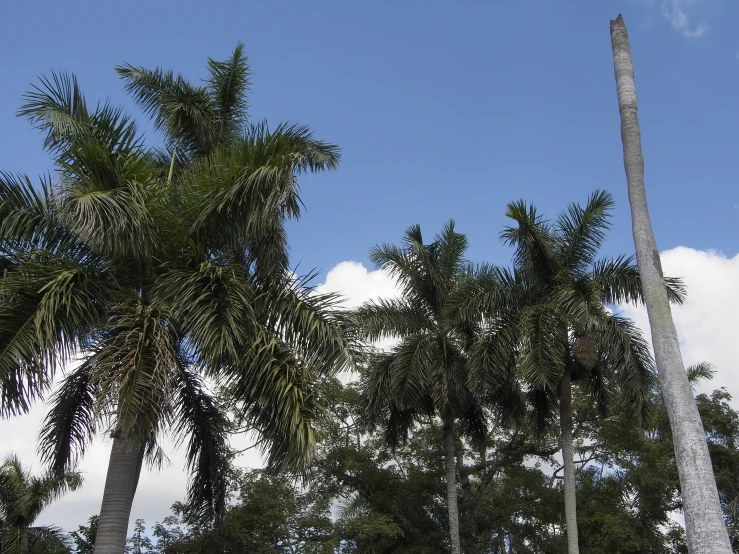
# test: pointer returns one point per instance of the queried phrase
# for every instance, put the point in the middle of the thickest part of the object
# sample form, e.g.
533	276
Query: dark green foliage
83	539
22	498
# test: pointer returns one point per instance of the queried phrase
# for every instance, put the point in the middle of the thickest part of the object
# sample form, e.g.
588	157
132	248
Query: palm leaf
204	426
228	84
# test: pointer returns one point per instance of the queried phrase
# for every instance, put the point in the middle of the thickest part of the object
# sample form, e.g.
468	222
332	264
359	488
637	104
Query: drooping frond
626	355
275	395
50	305
214	304
203	425
542	356
413	370
493	353
134	361
28	216
71	422
310	323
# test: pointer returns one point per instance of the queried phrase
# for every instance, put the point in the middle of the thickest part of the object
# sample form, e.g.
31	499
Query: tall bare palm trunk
568	460
124	469
704	523
451	485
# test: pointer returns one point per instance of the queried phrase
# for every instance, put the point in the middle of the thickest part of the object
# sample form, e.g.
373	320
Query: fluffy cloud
706	323
357	285
675	12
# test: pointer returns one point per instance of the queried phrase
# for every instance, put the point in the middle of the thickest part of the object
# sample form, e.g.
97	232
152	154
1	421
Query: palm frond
29	217
388	318
71	421
626	355
308	322
204	426
214	303
621	283
183	111
228	83
134	361
50	306
275	395
544	346
581	231
699	372
532	239
57	107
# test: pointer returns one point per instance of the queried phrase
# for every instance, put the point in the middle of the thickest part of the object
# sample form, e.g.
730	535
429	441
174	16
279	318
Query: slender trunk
124	469
704	522
451	485
501	539
568	460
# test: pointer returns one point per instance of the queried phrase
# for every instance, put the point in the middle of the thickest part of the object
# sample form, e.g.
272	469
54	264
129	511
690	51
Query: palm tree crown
426	373
154	283
552	319
22	498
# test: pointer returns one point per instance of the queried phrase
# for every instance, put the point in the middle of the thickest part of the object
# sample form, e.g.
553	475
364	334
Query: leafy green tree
271	516
551	312
425	374
155	283
139	542
22	498
83	539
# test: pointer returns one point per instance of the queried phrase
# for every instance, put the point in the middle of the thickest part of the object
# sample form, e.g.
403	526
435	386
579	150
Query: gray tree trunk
704	522
568	460
124	469
451	485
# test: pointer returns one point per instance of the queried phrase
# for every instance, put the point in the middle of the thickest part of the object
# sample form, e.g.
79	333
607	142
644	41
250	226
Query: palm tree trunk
124	469
451	485
568	460
704	523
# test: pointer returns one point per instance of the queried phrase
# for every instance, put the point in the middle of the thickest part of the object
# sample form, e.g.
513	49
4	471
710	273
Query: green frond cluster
22	498
153	270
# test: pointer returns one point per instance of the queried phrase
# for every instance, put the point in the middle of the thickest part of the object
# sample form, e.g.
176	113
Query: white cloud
358	285
707	322
675	12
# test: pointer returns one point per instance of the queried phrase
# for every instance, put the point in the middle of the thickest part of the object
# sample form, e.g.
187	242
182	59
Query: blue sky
442	109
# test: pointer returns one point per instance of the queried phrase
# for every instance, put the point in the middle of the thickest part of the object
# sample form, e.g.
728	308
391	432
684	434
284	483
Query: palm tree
152	283
551	313
22	498
425	374
704	523
196	119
